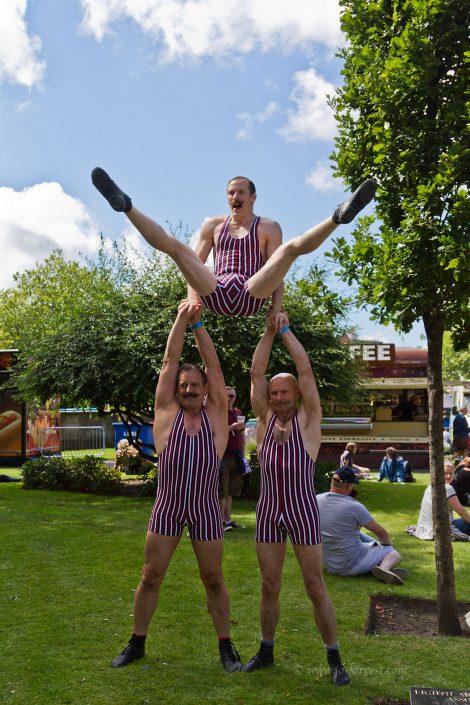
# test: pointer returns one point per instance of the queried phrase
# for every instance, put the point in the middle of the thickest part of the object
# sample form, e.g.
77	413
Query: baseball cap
345	476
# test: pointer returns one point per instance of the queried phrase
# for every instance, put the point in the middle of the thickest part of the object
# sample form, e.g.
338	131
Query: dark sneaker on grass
339	675
131	652
117	199
401	572
347	211
236	525
227	526
229	656
263	659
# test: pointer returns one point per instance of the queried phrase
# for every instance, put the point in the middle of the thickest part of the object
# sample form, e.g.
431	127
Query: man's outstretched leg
158	553
270	276
195	272
209	557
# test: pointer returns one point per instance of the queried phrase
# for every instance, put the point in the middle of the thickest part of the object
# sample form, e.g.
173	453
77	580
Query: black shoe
227	526
339	675
117	199
130	653
236	525
229	656
263	659
348	210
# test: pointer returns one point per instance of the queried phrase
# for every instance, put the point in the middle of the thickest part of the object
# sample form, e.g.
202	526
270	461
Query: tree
455	363
402	119
95	333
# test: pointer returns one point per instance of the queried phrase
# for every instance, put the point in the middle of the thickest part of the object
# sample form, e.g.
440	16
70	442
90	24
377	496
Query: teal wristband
283	330
196	325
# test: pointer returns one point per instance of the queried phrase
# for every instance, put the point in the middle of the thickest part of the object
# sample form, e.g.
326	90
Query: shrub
85	474
129	460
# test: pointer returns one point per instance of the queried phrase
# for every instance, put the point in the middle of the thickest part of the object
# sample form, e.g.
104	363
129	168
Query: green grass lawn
69	564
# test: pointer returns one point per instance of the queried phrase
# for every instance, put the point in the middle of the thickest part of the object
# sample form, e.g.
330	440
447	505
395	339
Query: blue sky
172	98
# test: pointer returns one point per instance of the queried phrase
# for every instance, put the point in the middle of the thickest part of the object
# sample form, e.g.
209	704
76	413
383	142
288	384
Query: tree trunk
448	621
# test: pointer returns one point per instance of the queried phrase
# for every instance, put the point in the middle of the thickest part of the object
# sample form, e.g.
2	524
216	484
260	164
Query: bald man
288	440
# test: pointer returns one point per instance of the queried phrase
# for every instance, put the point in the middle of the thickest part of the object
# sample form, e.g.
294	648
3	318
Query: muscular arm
259	365
379	531
273	239
165	391
307	384
204	247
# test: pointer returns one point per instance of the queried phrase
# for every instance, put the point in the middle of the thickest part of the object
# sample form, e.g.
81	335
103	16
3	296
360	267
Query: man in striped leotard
190	436
288	441
250	261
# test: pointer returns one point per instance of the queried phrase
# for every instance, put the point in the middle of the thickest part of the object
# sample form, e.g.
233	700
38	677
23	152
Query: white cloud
37	220
220	28
19	62
250	120
321	179
312	117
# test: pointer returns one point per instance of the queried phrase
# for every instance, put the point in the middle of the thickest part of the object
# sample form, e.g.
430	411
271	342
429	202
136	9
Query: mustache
190	395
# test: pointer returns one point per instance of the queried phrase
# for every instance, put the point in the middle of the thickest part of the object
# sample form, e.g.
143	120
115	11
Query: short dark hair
251	185
186	367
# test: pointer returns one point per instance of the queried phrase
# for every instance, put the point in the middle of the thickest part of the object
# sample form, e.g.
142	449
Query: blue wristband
284	330
198	324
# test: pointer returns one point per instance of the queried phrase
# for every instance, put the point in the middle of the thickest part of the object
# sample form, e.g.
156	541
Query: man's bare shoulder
212	221
268	223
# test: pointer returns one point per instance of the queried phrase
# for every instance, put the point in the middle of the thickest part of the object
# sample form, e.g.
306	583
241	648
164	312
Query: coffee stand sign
437	696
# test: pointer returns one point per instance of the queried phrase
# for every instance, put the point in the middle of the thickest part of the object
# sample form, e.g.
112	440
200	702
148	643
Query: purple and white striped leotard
188	484
287	503
236	260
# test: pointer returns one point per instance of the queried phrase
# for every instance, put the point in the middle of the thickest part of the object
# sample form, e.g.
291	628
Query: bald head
287	377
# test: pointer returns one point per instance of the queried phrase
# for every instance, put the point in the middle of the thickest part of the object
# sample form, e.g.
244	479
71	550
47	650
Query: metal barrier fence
72	441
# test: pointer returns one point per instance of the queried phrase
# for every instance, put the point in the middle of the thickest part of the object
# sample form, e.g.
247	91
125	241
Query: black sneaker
117	199
236	525
134	650
339	675
227	526
263	659
229	656
347	211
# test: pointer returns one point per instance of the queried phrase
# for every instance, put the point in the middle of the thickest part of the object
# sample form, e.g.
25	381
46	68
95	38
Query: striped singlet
287	503
236	260
188	484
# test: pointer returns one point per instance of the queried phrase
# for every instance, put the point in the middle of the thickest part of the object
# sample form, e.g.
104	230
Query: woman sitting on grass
424	528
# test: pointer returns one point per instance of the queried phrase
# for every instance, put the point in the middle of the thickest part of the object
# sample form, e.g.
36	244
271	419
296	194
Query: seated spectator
392	467
461	481
461	433
347	461
344	550
460	528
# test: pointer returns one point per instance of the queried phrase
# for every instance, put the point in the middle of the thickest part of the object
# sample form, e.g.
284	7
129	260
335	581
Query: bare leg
391	560
271	275
271	558
158	552
209	558
310	561
228	509
197	275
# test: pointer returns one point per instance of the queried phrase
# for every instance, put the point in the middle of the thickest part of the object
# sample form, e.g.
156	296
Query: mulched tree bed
390	614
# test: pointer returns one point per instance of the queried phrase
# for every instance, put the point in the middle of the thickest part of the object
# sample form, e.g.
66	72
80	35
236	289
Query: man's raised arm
217	392
307	384
165	392
259	365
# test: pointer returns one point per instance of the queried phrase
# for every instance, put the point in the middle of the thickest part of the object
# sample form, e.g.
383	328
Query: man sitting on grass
347	551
